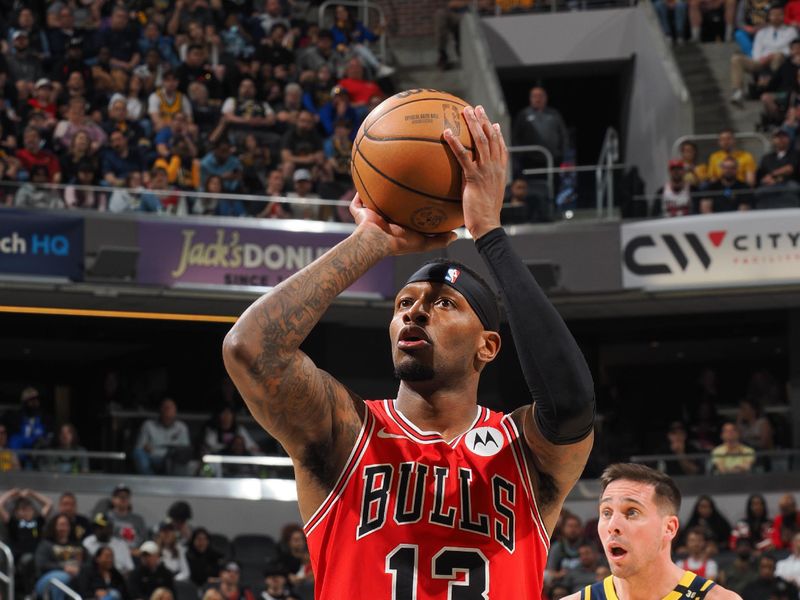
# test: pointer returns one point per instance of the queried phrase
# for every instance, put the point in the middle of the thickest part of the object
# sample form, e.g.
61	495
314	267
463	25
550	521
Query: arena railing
89	455
364	7
8	578
703	138
64	588
511	7
763	198
776	460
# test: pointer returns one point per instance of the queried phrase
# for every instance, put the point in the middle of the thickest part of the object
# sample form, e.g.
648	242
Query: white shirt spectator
229	107
160	438
177	562
789	569
123	561
772	40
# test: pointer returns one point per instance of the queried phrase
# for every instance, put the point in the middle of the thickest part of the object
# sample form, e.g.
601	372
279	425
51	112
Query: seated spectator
33	195
228	584
151	573
8	458
293	553
288	109
58	556
768	585
103	537
150	76
199	34
157	438
194	69
679	446
128	525
356	83
118	160
447	23
121	37
236	41
337	109
180	129
726	194
775	99
244	114
180	513
754	428
751	16
207	205
777	171
221	162
745	163
72	61
272	13
320	54
272	50
173	554
79	197
220	433
706	515
118	121
28	23
275	209
303	190
33	153
788	569
24	66
158	199
79	152
67	440
182	166
302	147
78	121
674	28
756	526
205	114
563	554
675	198
101	579
694	173
68	505
515	203
128	198
167	101
30	427
351	35
786	523
238	447
743	570
770	48
42	102
697	560
276	581
204	561
25	523
152	40
257	161
584	573
732	456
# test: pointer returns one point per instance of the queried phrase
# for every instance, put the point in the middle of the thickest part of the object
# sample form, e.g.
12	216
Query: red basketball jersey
413	517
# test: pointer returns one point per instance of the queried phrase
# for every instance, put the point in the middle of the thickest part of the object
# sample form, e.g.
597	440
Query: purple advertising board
41	244
172	252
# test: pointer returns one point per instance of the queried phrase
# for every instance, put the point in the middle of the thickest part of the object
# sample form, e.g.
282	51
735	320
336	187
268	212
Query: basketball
402	166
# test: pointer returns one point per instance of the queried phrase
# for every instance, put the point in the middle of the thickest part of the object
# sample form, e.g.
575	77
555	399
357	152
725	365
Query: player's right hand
398	240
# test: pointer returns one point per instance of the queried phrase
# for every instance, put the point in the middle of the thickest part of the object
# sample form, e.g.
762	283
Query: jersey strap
690	587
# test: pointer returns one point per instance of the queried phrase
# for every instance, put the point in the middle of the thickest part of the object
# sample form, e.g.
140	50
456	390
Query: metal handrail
548	157
604	177
8	578
364	6
639	458
72	453
265	461
64	588
703	137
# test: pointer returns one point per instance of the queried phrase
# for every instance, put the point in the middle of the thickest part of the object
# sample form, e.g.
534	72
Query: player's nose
417	313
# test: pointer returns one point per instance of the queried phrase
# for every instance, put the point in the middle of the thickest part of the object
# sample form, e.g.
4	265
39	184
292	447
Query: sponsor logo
452	275
382	433
34	244
484	441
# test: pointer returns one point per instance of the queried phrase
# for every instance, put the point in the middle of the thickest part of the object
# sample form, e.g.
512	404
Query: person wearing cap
103	535
675	197
33	154
128	525
151	573
337	108
777	173
228	585
30	426
42	102
301	145
455	474
24	65
173	553
276	581
303	184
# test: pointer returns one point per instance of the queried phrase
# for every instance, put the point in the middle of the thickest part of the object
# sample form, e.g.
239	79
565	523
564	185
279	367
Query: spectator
272	13
173	554
727	193
68	505
770	48
151	573
235	40
207	205
756	526
27	23
245	115
542	125
221	162
33	154
67	441
698	9
118	121
564	554
24	65
155	200
128	525
128	198
351	35
79	152
706	515
276	582
583	574
289	107
275	209
42	102
203	560
168	101
675	198
78	121
788	569
751	16
220	433
29	427
79	197
745	163
103	537
272	49
101	579
179	129
694	173
675	28
25	523
338	150
257	160
697	561
33	195
153	40
229	586
204	36
293	553
732	456
72	61
358	86
786	523
447	23
321	54
302	147
306	207
204	114
58	556
338	109
180	513
558	592
119	159
679	446
122	39
777	173
194	69
237	447
181	166
768	585
743	570
754	428
157	438
776	99
8	458
150	76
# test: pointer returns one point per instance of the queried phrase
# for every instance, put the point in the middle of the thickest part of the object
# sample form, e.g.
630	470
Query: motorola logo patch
484	441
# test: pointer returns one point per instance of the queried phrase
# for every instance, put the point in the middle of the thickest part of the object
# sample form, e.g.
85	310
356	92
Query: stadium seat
185	590
221	544
252	552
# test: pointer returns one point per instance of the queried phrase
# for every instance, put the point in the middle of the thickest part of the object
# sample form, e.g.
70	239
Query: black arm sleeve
558	378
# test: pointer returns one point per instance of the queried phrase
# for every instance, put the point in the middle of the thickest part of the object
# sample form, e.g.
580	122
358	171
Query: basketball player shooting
638	520
428	496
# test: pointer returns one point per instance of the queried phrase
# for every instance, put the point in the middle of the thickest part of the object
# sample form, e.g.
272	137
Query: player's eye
632	512
606	514
445	302
404	302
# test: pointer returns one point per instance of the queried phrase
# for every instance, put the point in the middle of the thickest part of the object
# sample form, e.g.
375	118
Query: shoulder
720	593
575	596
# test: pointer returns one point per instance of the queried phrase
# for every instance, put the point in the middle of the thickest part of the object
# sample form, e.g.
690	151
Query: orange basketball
402	166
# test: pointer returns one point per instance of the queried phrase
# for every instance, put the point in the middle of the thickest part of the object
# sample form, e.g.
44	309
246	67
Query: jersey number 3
448	563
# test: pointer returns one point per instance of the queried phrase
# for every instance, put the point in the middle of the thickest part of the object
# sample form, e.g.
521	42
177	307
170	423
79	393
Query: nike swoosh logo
382	433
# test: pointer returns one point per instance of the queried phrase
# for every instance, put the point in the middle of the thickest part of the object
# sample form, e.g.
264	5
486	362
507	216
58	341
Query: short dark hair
690	142
194	46
666	493
698	530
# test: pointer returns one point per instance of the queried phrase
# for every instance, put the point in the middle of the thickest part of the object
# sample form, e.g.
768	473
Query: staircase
415	59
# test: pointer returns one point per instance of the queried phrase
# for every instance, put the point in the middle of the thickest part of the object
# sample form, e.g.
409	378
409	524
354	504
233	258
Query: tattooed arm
310	413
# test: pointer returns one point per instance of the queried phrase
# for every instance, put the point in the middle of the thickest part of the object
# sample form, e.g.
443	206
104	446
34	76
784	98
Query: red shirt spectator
786	524
32	154
791	13
360	89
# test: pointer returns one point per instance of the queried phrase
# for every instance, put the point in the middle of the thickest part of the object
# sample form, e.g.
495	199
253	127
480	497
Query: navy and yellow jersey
690	587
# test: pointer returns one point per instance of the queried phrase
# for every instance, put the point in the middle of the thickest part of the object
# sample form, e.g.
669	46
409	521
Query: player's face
632	529
434	332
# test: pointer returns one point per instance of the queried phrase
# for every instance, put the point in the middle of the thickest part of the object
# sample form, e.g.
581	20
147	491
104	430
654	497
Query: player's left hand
485	176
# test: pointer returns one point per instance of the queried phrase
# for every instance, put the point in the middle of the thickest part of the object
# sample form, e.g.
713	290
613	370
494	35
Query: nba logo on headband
452	275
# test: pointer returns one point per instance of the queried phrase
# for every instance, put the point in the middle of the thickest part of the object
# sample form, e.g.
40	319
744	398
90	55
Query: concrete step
700	74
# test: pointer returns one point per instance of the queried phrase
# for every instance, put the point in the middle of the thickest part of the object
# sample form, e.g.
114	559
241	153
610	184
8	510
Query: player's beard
413	370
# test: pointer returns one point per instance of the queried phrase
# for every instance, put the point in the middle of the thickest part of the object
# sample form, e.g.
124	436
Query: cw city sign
735	249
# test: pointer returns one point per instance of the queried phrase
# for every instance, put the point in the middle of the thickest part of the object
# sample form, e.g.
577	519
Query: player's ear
490	346
671	526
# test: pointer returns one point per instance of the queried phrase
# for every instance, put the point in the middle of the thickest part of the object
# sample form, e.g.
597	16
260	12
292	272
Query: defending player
638	521
427	496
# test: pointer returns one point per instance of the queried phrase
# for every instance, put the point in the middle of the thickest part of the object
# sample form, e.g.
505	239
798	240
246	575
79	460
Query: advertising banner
174	253
724	249
41	244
